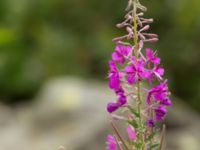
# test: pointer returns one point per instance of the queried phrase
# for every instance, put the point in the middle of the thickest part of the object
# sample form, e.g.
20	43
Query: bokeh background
53	68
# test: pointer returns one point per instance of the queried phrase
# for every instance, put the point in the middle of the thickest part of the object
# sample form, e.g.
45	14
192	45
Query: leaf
154	146
133	123
134	112
151	136
138	145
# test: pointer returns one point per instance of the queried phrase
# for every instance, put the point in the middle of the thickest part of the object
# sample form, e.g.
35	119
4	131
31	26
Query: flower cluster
144	68
131	67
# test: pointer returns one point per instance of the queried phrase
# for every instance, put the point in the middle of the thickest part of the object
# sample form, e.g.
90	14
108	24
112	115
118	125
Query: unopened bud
151	35
144	28
140	14
141	7
129	30
139	22
120	25
119	38
142	37
147	21
141	43
153	40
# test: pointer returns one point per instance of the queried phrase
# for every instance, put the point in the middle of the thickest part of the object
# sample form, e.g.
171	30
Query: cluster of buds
136	76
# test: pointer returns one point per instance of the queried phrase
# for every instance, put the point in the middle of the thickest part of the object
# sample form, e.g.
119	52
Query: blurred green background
40	39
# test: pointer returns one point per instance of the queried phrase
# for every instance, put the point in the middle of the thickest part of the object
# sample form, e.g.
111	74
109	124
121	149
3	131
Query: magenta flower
151	57
157	72
121	52
114	76
133	69
166	102
150	122
159	92
113	106
131	133
111	142
160	112
136	72
121	96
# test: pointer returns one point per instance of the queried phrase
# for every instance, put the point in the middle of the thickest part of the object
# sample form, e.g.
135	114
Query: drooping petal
122	100
111	107
160	112
114	82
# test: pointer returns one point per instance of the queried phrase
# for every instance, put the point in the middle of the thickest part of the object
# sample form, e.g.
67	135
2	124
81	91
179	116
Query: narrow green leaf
133	123
134	112
151	136
155	145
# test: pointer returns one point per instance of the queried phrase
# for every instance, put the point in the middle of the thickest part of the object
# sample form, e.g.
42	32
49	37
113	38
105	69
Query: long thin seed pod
162	142
119	136
118	144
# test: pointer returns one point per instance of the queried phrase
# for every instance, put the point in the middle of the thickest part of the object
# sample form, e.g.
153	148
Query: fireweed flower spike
137	78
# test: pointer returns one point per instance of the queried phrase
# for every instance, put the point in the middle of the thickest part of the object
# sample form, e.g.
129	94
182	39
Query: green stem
138	83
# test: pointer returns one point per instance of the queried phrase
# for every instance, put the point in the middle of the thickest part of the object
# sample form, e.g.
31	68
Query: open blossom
136	71
121	52
111	142
150	55
160	112
156	72
131	133
159	93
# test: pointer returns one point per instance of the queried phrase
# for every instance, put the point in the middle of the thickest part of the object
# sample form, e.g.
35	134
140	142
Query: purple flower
151	57
166	102
157	71
150	122
111	142
112	106
131	133
121	96
114	76
122	99
160	112
121	52
136	72
159	92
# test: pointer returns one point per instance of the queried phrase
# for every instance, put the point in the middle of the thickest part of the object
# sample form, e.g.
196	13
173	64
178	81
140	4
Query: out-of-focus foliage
45	38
